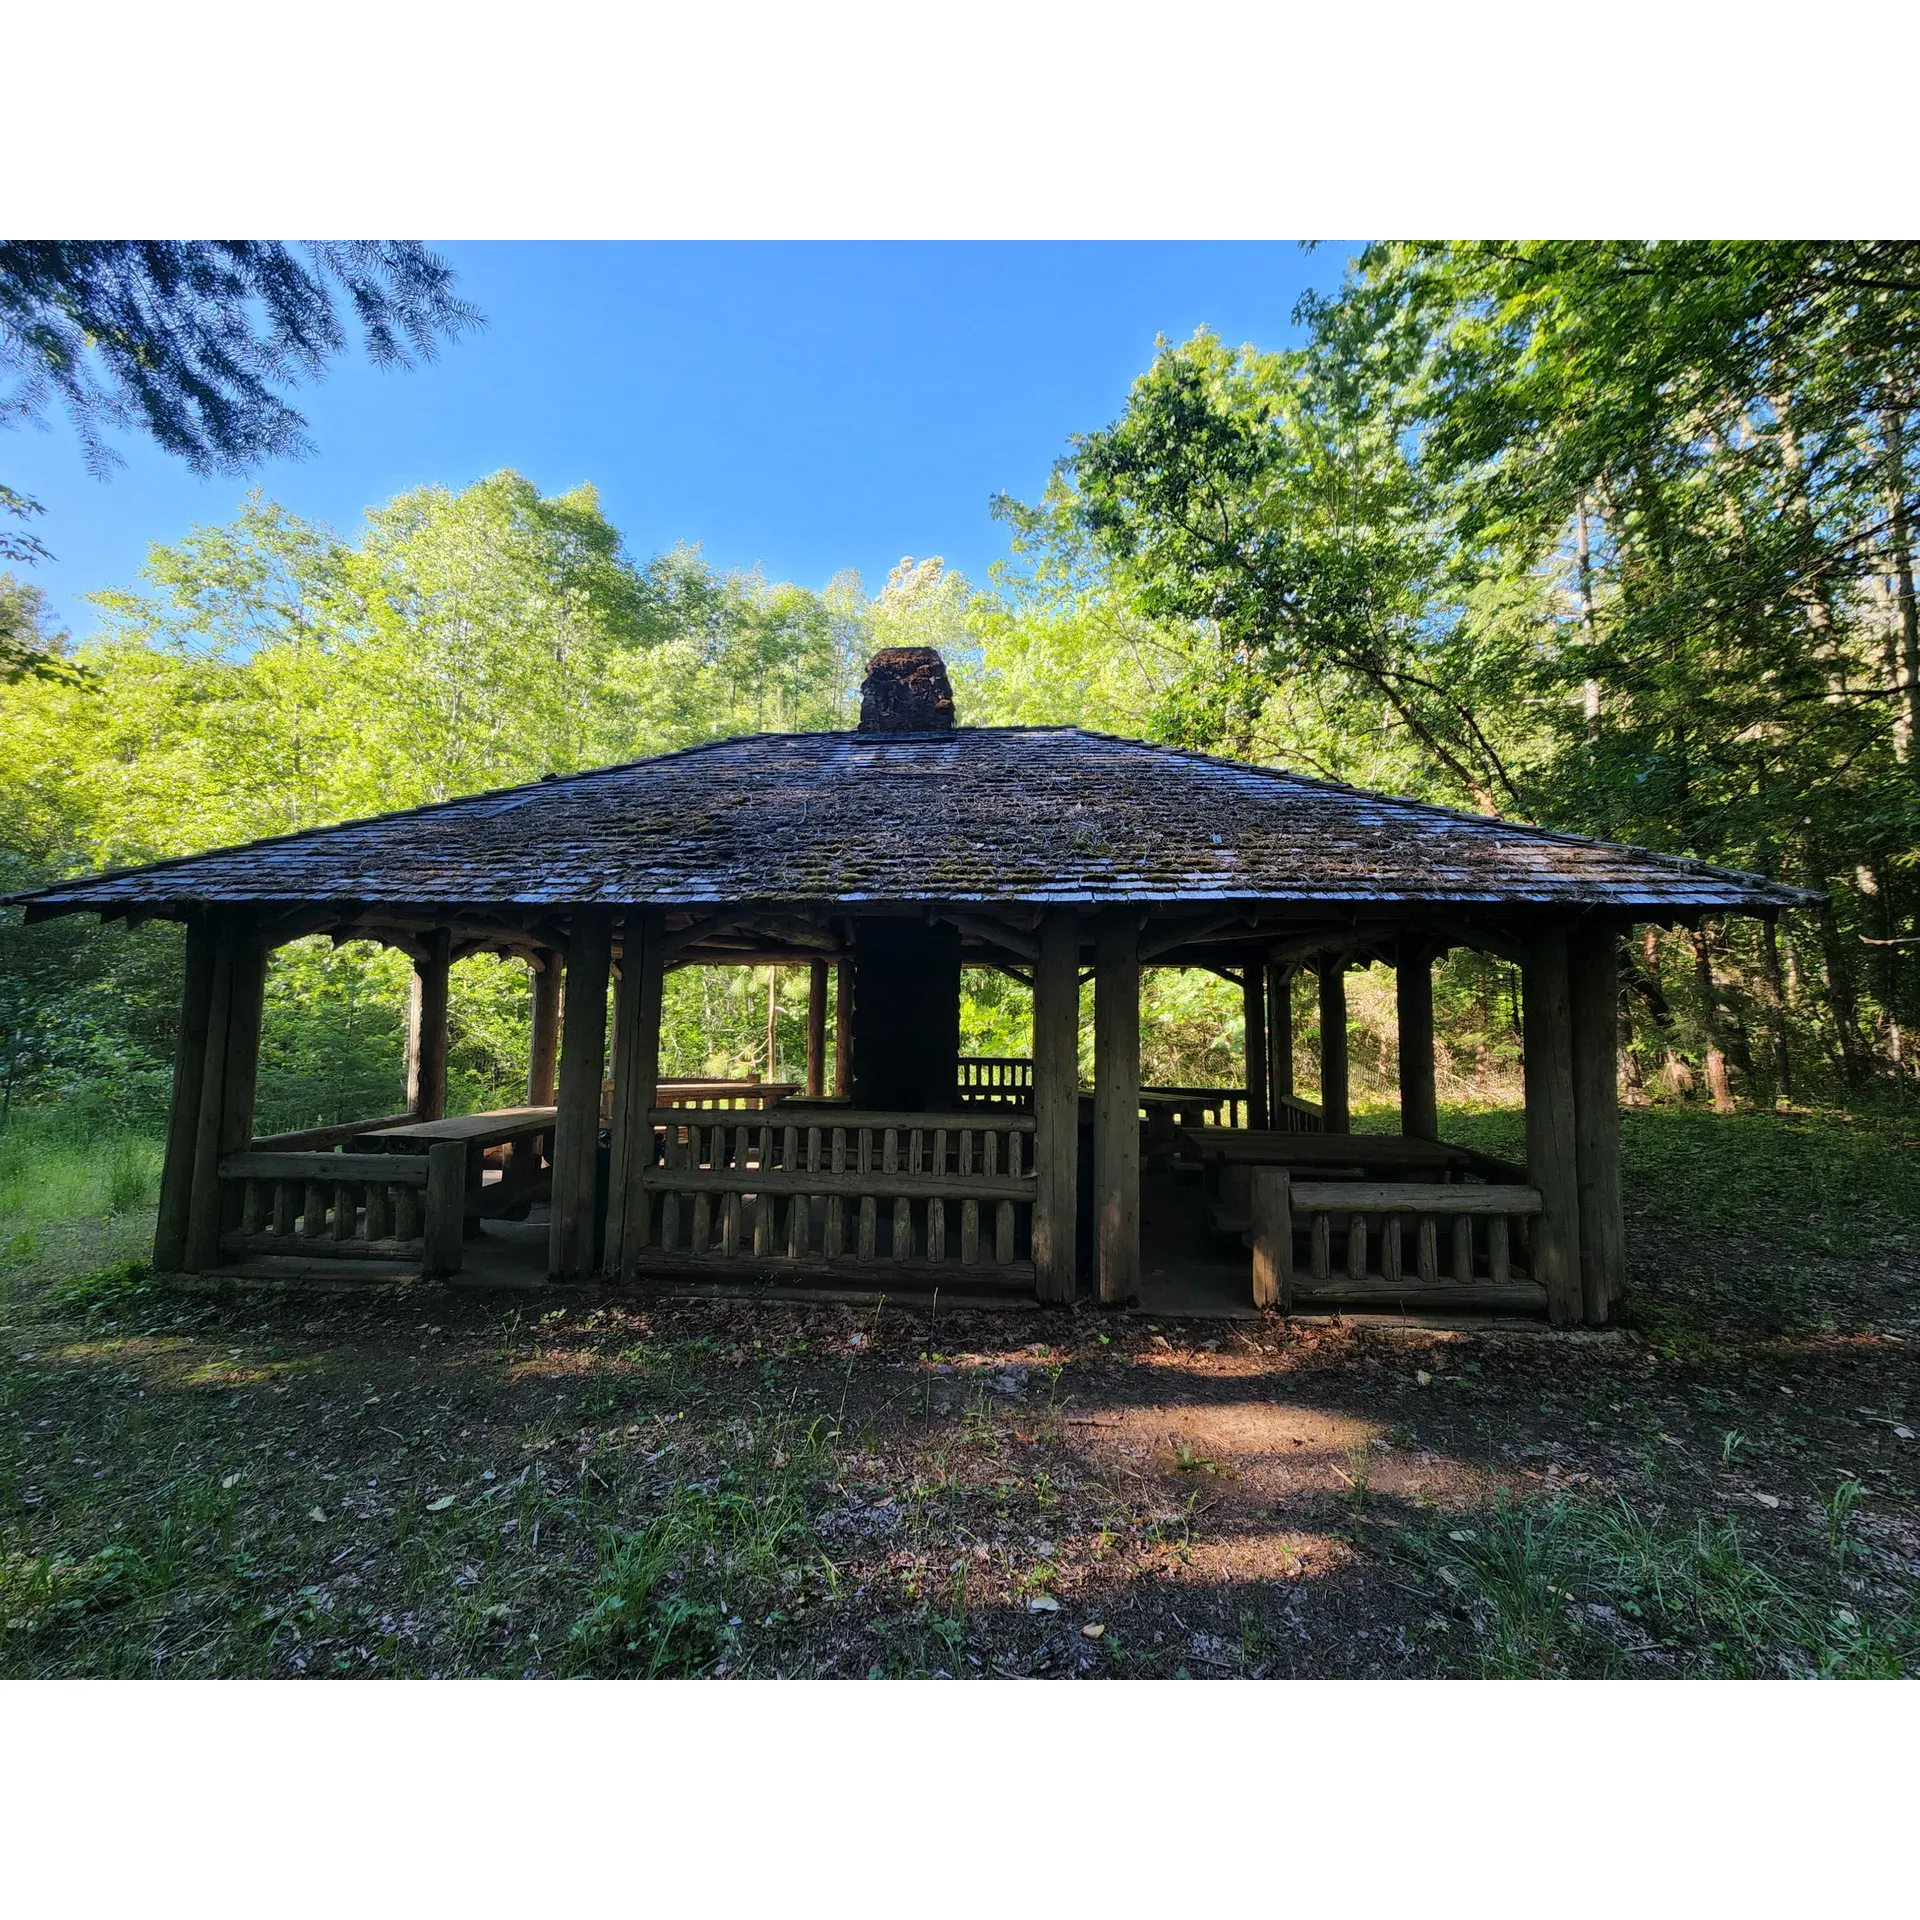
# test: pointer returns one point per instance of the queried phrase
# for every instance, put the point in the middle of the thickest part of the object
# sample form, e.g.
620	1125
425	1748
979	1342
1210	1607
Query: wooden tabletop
476	1129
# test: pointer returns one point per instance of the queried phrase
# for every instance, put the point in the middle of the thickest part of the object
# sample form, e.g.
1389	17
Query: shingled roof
984	814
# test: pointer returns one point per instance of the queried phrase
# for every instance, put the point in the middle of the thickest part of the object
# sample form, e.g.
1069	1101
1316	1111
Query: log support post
427	1029
236	993
1279	1037
543	1043
816	1029
1272	1238
445	1207
1056	1106
1116	1108
1552	1151
1253	1003
1594	991
1335	1117
636	1082
1413	992
576	1133
843	1030
183	1113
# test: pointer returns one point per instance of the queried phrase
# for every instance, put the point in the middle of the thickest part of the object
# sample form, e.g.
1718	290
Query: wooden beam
1552	1150
816	1029
1253	1006
1594	992
583	1060
636	1081
543	1041
1163	939
1116	1108
183	1112
1056	1106
427	1028
843	1030
1413	996
1335	1115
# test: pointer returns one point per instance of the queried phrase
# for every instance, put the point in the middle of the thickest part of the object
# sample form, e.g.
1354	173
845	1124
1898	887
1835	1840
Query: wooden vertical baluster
379	1210
800	1207
670	1222
1428	1255
1356	1246
730	1217
345	1211
1321	1243
700	1241
868	1206
1499	1260
762	1146
1390	1248
970	1232
937	1209
313	1211
836	1224
1462	1248
902	1215
406	1213
253	1206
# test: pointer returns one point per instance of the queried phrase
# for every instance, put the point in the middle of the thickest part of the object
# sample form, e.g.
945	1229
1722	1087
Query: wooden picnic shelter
885	860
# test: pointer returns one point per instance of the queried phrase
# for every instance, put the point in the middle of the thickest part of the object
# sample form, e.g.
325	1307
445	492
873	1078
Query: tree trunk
1900	544
1776	1007
1710	1019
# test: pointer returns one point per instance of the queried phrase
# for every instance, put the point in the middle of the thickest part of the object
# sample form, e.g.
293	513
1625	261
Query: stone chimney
906	691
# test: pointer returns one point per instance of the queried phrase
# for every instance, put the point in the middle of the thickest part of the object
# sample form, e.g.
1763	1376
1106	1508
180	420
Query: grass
664	1598
1571	1587
50	1176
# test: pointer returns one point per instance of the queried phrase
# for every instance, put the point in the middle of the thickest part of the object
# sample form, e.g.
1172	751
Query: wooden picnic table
519	1128
497	1128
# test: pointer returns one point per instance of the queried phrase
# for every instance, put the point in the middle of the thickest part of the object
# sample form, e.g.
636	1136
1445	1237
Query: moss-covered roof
989	814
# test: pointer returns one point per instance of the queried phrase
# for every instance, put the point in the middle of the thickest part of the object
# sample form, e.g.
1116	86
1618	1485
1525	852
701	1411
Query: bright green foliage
1615	538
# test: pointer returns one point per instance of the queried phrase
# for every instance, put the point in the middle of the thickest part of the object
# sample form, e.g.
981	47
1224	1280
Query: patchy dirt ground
424	1481
425	1484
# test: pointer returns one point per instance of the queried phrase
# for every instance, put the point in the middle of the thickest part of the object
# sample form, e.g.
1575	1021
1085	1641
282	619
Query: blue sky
802	407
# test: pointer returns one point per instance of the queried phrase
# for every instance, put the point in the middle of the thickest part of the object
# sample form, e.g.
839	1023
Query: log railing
995	1080
750	1094
319	1139
1410	1244
868	1197
1227	1107
352	1206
